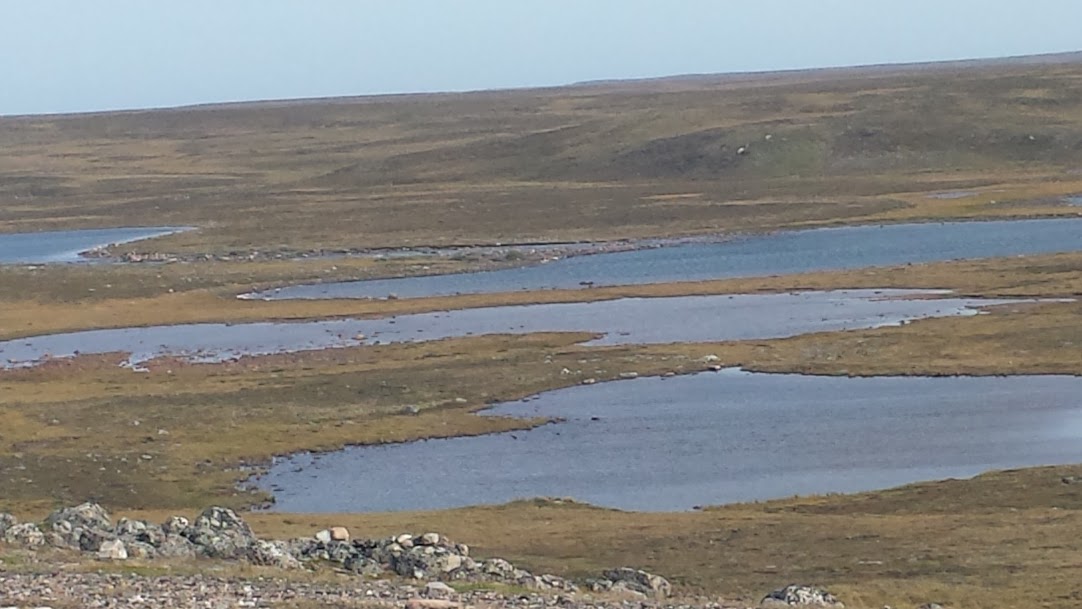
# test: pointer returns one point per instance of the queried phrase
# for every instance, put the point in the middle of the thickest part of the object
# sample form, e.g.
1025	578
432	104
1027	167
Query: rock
639	581
140	550
27	535
795	594
175	525
428	539
497	567
431	603
324	536
175	546
6	522
86	515
439	590
339	534
629	375
220	533
930	606
272	554
91	540
113	549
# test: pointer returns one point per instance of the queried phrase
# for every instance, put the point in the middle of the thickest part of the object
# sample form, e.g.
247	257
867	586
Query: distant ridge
616	85
1069	57
1040	60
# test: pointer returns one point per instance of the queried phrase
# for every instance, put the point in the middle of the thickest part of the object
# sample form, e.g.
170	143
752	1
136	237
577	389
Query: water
953	194
751	256
65	246
1075	200
623	321
712	438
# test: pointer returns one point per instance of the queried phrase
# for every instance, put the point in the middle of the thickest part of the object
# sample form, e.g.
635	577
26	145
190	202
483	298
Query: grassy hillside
600	161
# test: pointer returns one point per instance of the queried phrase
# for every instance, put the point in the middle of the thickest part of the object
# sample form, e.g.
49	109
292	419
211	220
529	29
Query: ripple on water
622	321
779	253
671	444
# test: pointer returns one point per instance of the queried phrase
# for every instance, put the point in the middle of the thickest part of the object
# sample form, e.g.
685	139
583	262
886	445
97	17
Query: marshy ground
588	163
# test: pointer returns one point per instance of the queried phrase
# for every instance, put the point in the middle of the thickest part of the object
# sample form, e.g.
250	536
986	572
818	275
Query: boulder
339	534
930	606
637	580
220	533
86	515
112	549
323	536
141	550
175	525
6	522
27	535
799	595
439	590
272	554
175	546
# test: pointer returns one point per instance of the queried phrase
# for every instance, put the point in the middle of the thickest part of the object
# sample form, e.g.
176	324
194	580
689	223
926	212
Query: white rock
324	536
113	549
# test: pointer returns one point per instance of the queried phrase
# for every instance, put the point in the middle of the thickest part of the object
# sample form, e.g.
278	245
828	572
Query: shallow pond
623	321
65	246
711	438
750	256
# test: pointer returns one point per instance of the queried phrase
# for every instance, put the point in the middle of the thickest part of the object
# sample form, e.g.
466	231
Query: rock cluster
803	596
632	580
220	533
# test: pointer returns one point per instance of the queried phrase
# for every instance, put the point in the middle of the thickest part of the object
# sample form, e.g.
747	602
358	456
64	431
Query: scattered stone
795	594
930	606
629	375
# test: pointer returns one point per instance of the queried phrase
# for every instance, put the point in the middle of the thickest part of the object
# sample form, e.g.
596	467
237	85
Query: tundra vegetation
272	187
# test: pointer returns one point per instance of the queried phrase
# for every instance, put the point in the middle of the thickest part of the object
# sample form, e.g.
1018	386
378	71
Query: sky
88	55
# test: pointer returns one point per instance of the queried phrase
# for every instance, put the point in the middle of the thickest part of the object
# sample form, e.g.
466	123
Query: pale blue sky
76	55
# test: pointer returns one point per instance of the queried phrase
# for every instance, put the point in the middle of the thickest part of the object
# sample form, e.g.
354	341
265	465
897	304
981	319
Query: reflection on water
671	444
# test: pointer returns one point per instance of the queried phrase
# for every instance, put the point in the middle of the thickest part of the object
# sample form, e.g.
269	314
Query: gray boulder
637	580
6	522
85	515
799	595
175	525
272	554
220	533
175	546
27	535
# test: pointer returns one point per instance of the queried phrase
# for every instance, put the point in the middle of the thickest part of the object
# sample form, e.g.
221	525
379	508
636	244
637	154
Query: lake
65	246
748	256
712	438
622	321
